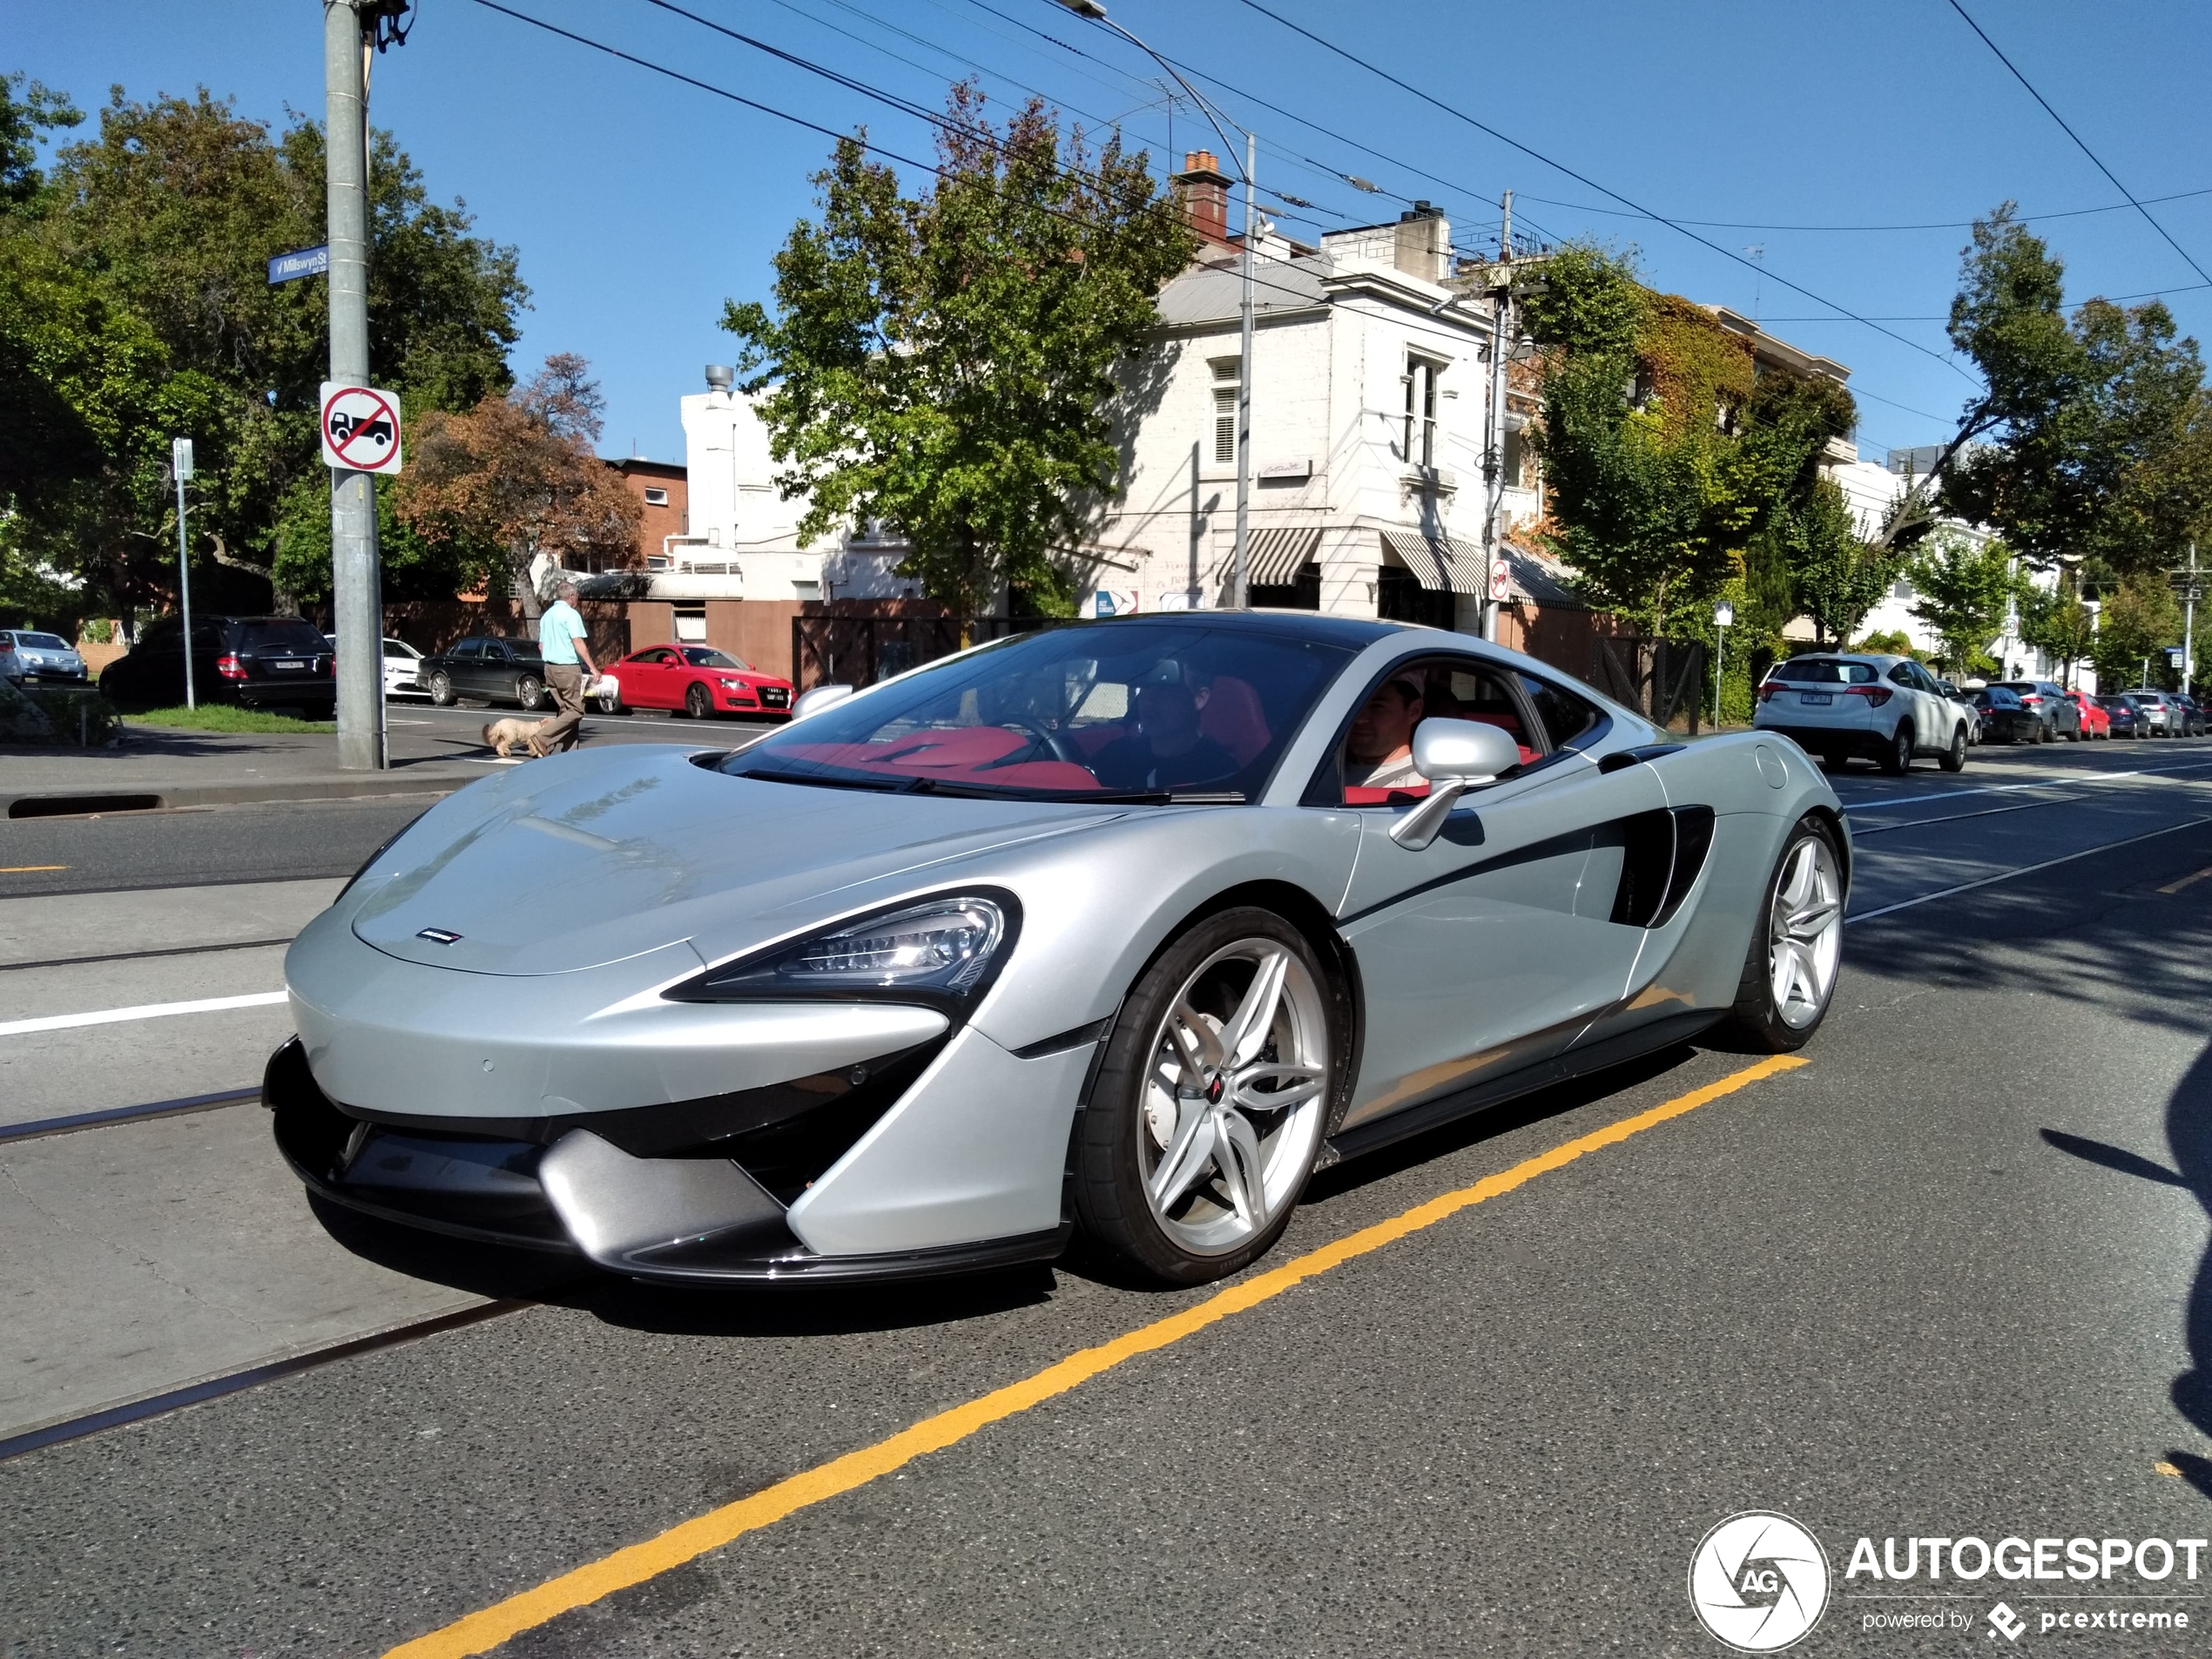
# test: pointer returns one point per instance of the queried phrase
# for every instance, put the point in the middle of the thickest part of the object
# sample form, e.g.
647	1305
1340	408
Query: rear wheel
1896	759
529	691
441	688
1954	758
1208	1109
697	703
1789	969
609	702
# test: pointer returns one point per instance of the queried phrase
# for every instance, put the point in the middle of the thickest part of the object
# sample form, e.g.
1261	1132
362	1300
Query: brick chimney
1205	190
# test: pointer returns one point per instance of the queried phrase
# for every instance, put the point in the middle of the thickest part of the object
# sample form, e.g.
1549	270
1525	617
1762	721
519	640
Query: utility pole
1239	591
1494	450
350	34
2188	623
180	465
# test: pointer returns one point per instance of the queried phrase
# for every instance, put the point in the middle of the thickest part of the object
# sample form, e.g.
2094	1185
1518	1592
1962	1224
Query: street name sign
360	428
301	262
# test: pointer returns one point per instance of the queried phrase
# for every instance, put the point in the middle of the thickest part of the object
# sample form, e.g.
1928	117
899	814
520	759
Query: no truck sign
361	427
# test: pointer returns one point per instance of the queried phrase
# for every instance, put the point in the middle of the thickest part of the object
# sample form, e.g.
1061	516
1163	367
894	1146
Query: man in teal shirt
567	659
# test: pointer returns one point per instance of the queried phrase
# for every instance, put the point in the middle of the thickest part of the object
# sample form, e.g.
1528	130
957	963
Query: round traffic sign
360	428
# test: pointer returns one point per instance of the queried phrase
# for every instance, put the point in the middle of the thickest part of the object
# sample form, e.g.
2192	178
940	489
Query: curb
69	803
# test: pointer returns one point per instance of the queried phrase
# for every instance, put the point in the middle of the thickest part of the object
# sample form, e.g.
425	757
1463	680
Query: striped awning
1442	563
1273	558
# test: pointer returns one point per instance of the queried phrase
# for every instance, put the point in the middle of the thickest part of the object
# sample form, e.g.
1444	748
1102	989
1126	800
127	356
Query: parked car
2159	715
256	662
1091	931
2125	723
2005	719
1964	698
31	658
2048	699
401	666
2095	723
2193	713
487	670
700	681
1887	708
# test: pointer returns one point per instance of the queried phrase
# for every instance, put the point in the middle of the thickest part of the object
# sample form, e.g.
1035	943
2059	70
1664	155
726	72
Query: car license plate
291	663
775	697
1815	699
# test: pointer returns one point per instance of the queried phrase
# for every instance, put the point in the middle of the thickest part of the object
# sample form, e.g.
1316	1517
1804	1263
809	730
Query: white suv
1840	703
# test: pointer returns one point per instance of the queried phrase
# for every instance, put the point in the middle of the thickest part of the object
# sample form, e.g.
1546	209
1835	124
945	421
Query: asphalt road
1947	1279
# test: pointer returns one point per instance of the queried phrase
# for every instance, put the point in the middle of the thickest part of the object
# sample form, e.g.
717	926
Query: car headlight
940	952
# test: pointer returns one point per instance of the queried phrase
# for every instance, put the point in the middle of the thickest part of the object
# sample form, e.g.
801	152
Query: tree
2138	620
1962	593
2092	433
1836	578
946	365
2057	623
147	298
516	475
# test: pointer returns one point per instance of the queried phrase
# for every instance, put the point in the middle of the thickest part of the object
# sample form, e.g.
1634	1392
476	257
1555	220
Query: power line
1583	178
1931	224
2078	144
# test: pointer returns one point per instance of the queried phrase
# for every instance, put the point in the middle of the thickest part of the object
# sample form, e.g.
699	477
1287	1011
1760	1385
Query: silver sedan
1122	927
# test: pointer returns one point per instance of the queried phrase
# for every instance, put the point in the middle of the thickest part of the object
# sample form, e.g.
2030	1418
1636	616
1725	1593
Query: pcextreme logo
1759	1581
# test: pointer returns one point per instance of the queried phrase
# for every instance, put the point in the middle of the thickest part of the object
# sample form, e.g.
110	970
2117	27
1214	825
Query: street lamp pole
1723	613
1240	587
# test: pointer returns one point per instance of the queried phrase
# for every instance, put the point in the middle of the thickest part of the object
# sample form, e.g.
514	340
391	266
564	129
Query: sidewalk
167	766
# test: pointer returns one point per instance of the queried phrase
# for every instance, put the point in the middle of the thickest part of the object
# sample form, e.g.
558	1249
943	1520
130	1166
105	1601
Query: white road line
145	1011
2028	869
2051	780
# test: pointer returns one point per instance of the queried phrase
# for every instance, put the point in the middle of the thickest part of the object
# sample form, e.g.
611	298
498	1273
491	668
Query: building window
691	624
1420	410
656	496
1226	381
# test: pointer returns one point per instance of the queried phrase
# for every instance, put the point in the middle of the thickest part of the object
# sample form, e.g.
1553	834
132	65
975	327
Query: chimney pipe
720	377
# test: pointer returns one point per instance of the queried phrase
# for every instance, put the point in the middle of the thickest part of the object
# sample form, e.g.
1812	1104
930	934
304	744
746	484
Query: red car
700	681
2095	723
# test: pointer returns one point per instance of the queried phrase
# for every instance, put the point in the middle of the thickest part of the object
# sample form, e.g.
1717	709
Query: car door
1486	951
641	674
460	665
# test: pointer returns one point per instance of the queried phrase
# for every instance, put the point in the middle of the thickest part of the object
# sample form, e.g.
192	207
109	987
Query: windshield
1824	670
43	642
1144	710
706	656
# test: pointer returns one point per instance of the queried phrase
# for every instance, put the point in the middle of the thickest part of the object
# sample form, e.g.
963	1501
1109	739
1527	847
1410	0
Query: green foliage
1895	643
228	716
947	365
1588	303
25	113
135	307
80	719
1836	578
2055	622
2139	619
1962	594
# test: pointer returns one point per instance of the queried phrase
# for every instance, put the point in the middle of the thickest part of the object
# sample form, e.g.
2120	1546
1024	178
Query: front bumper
564	1186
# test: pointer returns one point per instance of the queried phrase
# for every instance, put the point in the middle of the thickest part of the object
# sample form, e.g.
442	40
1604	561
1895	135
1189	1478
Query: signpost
301	262
360	428
180	464
1500	581
1723	613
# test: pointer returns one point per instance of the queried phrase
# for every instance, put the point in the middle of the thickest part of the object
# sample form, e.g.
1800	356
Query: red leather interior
1234	718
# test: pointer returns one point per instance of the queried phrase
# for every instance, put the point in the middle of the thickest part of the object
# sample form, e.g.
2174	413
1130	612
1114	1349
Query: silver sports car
1121	929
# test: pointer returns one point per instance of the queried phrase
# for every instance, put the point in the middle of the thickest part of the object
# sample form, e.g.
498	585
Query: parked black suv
257	662
488	670
2051	706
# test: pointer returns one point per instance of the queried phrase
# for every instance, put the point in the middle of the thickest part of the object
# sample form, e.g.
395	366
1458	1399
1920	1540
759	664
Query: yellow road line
482	1631
26	869
2187	880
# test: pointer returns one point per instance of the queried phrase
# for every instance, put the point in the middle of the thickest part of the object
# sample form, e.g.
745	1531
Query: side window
469	650
165	635
1902	674
1375	764
1566	716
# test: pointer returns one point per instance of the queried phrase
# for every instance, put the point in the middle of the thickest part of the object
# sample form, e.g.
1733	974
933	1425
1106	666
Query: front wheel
1954	758
697	703
1209	1106
441	691
1789	969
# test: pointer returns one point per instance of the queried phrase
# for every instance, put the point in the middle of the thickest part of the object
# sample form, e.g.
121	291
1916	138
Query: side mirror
820	698
1455	755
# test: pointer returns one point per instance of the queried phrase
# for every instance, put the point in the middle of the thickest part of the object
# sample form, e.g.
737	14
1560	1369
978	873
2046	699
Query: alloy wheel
1805	932
1233	1096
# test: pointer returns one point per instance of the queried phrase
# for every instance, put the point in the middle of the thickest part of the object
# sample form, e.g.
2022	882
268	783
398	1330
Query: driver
1166	750
1379	753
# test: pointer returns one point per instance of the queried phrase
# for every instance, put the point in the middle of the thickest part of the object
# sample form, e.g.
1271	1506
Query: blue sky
639	204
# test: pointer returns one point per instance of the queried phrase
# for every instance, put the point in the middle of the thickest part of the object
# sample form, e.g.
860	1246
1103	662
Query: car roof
1844	657
1352	631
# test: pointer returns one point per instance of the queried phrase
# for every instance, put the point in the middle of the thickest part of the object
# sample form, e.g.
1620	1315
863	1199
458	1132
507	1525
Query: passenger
1167	751
1380	752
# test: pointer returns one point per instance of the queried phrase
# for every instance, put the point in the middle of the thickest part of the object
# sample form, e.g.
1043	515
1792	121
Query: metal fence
1661	679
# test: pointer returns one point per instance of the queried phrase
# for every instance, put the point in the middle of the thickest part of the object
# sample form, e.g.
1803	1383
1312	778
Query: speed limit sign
1501	581
361	427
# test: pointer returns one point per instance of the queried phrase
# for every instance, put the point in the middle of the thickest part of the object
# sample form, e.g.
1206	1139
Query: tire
1761	1019
1187	1182
1896	759
441	688
609	702
697	702
1954	758
529	691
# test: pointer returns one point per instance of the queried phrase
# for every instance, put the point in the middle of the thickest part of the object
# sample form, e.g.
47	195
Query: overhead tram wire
1861	230
1297	294
1583	178
2111	177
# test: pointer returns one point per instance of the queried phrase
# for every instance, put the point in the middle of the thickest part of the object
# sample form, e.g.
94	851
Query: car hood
572	863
